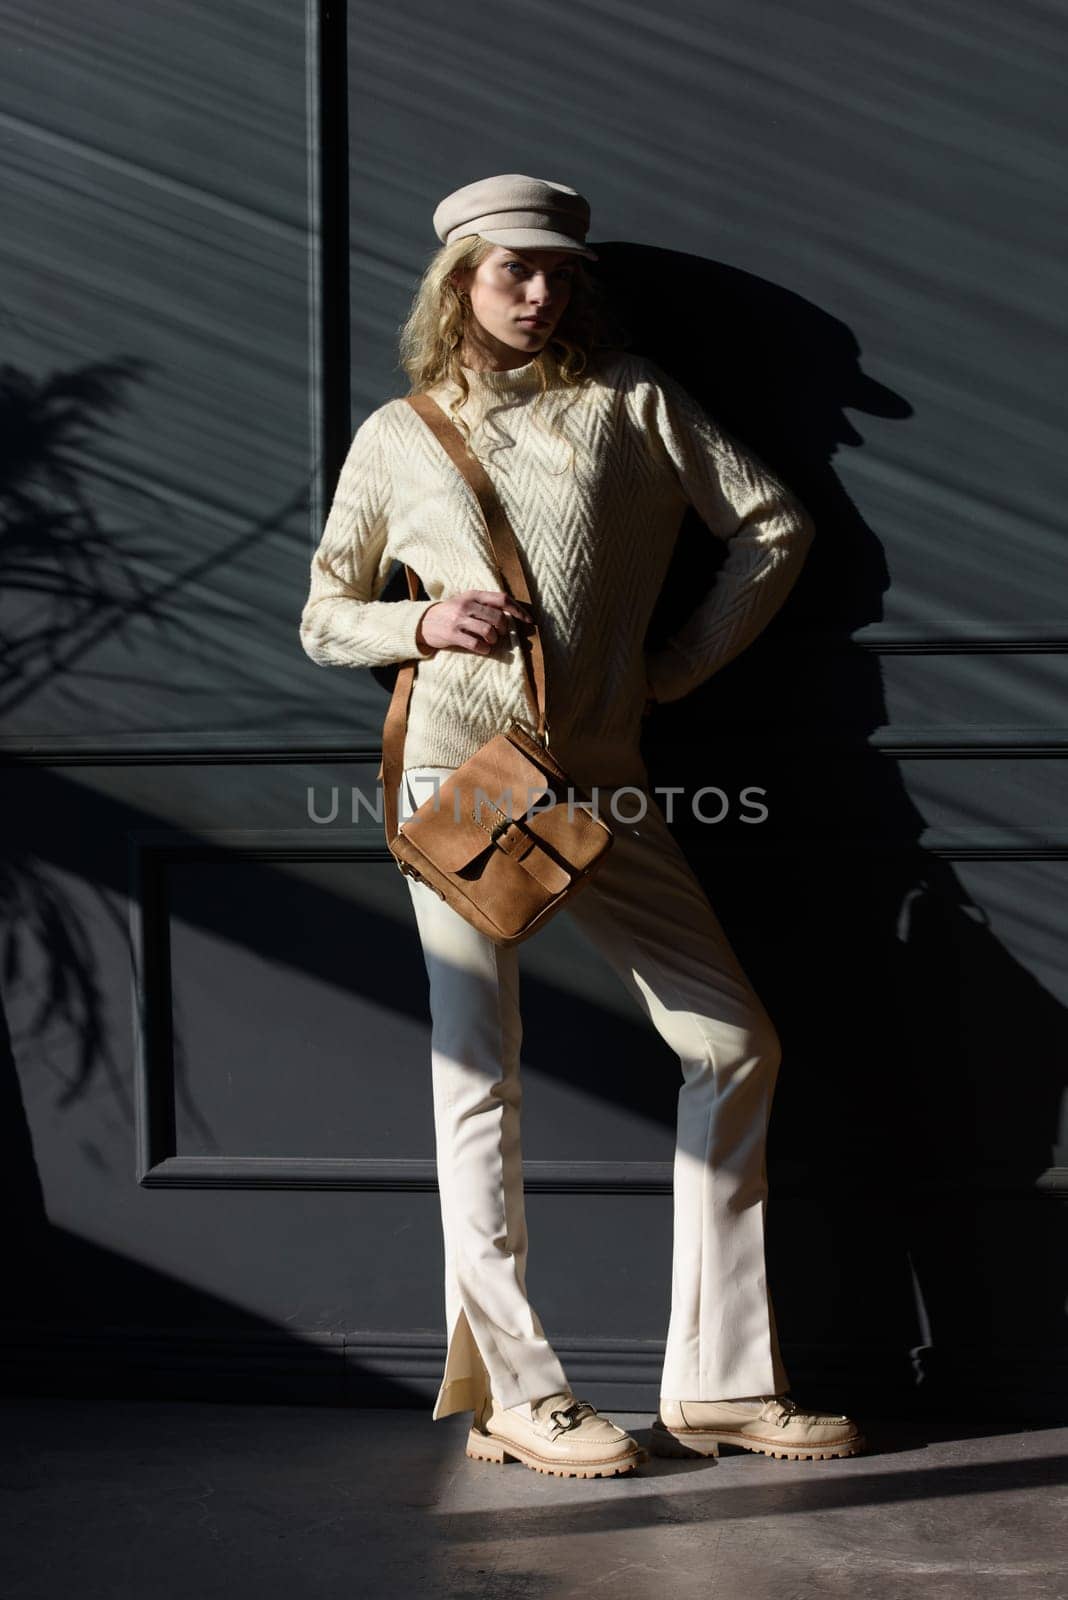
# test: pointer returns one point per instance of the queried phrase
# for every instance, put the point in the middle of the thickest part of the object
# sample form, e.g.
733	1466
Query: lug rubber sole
706	1442
488	1447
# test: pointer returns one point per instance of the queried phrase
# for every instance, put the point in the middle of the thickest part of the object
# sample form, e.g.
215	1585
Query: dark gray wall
836	226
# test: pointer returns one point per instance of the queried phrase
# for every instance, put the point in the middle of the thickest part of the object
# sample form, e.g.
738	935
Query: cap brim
537	239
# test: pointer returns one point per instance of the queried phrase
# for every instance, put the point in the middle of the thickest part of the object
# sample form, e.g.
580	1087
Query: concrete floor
109	1499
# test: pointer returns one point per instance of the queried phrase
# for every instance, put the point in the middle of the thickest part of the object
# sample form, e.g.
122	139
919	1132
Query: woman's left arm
767	529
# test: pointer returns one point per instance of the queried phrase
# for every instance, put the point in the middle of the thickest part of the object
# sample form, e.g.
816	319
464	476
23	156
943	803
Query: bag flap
497	786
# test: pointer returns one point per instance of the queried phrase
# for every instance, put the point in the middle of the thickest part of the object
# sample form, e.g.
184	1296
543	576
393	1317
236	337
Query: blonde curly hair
431	339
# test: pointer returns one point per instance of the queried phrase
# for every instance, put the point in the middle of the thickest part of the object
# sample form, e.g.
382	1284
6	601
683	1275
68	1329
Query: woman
595	454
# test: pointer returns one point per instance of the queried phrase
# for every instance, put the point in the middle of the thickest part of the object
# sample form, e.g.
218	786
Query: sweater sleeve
768	534
343	623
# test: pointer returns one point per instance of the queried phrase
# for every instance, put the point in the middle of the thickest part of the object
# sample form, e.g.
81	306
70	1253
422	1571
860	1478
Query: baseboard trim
399	1369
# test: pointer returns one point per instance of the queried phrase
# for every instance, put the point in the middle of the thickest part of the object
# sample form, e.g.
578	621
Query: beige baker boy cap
511	209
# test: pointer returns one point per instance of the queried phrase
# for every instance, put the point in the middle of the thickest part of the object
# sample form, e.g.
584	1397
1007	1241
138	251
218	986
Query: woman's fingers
500	600
482	634
486	614
474	620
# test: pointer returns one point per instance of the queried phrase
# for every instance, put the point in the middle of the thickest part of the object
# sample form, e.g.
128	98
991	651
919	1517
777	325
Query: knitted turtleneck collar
512	380
490	390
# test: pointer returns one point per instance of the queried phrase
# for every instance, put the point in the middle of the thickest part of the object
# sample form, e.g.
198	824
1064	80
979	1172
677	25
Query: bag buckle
501	827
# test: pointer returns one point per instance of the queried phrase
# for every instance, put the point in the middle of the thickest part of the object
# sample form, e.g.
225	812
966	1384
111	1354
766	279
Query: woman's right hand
475	619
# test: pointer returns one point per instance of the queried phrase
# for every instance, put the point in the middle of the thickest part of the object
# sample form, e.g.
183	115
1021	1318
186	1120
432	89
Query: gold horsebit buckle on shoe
573	1414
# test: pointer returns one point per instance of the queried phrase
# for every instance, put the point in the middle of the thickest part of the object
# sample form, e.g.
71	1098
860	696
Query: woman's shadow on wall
923	1067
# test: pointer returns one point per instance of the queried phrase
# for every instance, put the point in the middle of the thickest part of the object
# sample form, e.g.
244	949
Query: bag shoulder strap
513	580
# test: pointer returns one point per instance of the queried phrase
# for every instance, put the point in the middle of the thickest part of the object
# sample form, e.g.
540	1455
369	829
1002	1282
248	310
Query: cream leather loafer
772	1424
564	1436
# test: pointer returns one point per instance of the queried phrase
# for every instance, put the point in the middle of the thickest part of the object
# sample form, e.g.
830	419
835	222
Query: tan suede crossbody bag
507	838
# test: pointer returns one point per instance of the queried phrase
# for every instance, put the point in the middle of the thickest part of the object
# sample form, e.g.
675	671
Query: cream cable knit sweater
595	541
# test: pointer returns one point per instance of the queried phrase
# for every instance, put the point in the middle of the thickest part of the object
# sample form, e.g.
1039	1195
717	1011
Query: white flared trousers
645	911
